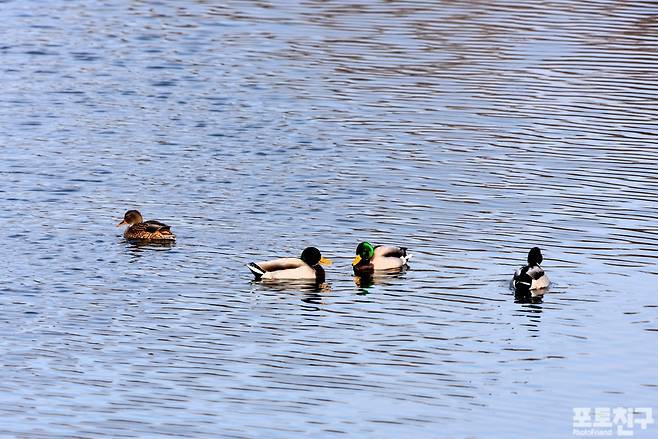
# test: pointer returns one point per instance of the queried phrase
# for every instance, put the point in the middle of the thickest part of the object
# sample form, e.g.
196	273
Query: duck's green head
131	217
312	257
364	252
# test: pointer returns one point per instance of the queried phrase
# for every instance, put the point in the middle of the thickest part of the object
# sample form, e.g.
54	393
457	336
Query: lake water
466	131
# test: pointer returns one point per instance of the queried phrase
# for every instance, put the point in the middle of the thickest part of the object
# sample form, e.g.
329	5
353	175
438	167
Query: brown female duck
145	230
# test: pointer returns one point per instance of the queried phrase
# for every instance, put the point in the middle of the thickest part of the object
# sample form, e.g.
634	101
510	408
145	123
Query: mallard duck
370	258
531	276
307	266
145	230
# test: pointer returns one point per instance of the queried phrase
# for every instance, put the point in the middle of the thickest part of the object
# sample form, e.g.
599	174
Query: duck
370	258
145	230
531	276
307	267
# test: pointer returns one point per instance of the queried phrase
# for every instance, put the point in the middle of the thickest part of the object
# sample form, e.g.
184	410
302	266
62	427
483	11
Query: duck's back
150	230
287	268
388	257
530	277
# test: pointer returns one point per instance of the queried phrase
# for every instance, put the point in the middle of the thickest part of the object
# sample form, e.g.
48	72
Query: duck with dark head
307	266
531	276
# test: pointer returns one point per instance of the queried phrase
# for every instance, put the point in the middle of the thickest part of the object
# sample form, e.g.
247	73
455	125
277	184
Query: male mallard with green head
307	266
145	230
370	258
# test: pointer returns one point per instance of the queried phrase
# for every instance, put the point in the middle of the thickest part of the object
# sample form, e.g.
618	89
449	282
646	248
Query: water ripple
468	132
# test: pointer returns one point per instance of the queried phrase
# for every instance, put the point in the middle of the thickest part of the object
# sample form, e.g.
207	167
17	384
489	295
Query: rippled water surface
467	131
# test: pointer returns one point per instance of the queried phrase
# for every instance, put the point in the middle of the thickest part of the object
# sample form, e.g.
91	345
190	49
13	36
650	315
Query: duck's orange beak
325	261
122	223
356	260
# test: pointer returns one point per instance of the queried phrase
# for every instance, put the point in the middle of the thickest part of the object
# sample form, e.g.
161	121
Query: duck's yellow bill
122	223
325	261
356	260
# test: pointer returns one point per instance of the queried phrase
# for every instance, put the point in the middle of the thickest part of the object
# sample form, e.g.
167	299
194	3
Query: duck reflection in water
137	248
529	296
312	291
367	280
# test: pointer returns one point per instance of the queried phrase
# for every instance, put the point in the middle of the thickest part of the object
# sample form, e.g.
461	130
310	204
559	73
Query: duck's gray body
530	278
284	268
384	257
388	257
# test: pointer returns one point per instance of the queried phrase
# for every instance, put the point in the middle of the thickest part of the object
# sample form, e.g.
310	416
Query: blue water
468	132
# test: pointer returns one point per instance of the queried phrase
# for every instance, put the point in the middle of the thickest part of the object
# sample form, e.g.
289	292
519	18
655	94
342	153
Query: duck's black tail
256	270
